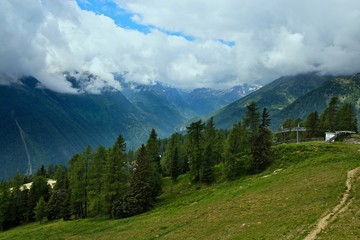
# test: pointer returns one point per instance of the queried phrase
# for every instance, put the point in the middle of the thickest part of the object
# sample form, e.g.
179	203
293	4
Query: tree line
117	183
335	117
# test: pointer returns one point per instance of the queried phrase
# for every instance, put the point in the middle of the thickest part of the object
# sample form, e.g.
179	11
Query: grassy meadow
304	183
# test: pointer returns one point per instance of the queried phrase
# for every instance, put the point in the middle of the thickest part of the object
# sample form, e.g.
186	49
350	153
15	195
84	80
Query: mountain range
50	127
53	126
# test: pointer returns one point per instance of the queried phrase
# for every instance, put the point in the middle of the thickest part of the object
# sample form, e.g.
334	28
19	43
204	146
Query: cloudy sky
187	43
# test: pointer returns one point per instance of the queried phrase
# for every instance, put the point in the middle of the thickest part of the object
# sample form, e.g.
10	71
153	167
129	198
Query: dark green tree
114	177
328	119
40	209
39	188
96	184
5	200
261	152
312	125
195	148
169	164
78	185
175	171
346	118
252	118
207	172
152	149
237	152
265	119
19	200
138	198
59	205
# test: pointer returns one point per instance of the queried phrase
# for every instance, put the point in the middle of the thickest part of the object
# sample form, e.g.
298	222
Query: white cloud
46	37
272	37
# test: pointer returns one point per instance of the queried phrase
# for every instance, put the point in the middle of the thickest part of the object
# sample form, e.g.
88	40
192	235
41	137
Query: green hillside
304	184
347	89
275	96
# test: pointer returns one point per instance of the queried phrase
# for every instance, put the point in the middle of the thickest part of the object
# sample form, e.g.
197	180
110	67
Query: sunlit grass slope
285	205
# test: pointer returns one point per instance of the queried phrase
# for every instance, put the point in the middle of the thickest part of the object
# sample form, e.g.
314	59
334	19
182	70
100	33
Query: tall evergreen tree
138	197
114	177
5	200
96	184
40	209
39	188
261	146
175	171
329	117
195	135
252	118
19	200
312	124
78	185
152	149
236	152
167	161
346	118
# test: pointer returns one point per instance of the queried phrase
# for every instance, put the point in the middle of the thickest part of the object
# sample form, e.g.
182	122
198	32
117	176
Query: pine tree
78	185
252	118
261	146
152	149
207	172
114	177
175	164
39	188
167	161
261	152
265	119
19	200
96	184
195	148
312	124
236	152
329	117
346	118
40	210
5	200
138	198
62	198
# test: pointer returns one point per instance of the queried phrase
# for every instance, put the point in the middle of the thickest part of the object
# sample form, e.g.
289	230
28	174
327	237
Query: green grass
281	206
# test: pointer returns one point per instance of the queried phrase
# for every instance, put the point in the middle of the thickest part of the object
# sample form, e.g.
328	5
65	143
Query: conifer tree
236	152
195	148
346	118
19	200
40	209
5	200
167	161
175	164
61	201
39	188
78	185
138	198
152	149
114	177
261	149
96	184
312	124
329	117
252	118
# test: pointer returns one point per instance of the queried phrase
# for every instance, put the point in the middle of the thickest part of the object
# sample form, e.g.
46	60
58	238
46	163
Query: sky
185	44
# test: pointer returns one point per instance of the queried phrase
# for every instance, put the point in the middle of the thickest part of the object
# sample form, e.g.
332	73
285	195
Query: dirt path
341	207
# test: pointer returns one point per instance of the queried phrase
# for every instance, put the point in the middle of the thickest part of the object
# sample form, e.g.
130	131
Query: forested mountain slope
346	88
275	96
